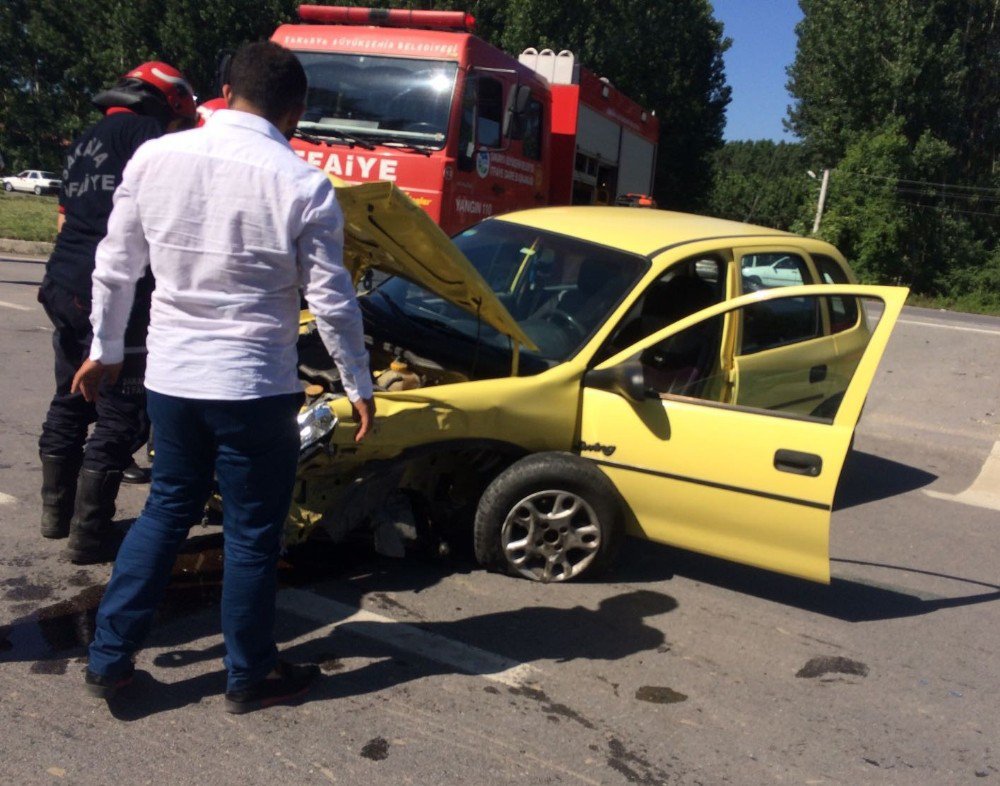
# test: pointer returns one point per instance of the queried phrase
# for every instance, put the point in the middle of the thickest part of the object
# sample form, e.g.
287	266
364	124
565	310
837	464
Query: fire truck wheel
549	517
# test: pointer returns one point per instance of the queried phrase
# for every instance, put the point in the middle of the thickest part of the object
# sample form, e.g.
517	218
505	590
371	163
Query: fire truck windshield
386	99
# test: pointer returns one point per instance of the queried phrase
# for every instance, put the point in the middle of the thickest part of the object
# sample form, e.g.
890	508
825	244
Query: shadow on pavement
844	599
615	630
53	635
868	478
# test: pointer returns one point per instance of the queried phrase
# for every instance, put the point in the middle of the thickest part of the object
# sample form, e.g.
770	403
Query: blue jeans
253	447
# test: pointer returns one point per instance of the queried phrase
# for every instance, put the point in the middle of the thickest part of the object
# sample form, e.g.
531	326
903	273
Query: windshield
559	289
385	98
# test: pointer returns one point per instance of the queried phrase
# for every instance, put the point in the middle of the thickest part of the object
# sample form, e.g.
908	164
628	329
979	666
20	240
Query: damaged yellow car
555	379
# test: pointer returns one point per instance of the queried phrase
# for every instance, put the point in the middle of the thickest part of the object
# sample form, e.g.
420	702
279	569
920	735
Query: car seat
664	303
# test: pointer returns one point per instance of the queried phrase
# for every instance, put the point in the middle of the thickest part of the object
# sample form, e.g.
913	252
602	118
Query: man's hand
88	378
364	414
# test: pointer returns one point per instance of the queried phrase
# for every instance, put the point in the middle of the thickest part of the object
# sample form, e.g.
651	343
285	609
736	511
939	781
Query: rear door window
843	310
799	318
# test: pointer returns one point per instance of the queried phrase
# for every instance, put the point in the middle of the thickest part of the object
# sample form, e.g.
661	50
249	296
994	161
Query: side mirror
625	379
517	102
522	96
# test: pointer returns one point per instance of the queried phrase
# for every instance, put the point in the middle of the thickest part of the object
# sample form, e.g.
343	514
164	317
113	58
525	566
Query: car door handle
798	463
817	373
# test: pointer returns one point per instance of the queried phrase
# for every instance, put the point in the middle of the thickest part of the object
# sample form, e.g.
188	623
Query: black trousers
121	426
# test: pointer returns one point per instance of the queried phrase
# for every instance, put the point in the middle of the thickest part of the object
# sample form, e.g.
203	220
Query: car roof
639	231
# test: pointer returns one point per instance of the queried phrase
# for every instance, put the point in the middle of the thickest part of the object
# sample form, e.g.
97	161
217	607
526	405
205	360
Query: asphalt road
676	669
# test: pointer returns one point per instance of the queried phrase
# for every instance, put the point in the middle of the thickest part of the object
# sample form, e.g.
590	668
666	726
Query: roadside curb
25	247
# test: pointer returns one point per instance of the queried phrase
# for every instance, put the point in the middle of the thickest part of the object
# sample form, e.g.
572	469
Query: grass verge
28	217
968	304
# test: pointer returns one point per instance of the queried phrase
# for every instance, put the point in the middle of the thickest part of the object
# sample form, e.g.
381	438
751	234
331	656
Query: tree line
899	99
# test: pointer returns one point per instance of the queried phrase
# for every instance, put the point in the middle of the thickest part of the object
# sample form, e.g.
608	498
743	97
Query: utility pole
822	199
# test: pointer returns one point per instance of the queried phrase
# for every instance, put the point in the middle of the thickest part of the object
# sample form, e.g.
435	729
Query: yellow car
556	379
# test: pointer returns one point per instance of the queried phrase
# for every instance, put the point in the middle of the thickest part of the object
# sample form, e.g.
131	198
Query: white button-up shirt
233	224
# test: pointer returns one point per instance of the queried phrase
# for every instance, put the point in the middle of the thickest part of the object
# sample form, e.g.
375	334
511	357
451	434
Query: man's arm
330	294
122	257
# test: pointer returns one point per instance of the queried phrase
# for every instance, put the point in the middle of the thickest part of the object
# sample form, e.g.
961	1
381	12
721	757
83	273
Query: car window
799	381
22	174
489	112
49	175
773	269
779	323
528	127
685	288
800	318
843	310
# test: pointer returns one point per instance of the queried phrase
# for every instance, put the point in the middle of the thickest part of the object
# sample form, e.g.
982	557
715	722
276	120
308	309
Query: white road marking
15	306
432	646
7	499
963	328
985	489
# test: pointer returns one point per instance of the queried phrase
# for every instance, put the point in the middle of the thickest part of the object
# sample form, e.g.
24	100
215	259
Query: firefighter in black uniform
81	476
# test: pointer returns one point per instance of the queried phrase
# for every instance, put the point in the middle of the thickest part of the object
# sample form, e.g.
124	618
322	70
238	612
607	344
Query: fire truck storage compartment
635	170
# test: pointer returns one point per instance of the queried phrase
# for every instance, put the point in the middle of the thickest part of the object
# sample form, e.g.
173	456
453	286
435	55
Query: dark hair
268	76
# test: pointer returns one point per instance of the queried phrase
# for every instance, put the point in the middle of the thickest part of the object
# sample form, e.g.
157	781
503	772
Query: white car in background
36	181
763	271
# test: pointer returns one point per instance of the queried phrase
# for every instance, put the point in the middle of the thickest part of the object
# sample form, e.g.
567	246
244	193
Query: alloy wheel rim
551	535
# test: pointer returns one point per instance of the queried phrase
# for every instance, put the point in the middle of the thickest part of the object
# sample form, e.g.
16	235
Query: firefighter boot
59	474
92	536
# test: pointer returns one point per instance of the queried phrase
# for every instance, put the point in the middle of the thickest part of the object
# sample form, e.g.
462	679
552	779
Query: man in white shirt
232	224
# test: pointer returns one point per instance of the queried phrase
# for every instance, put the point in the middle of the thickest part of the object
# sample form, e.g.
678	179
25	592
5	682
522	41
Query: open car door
726	432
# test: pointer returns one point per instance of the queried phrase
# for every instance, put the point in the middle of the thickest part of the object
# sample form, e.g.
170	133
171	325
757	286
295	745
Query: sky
763	34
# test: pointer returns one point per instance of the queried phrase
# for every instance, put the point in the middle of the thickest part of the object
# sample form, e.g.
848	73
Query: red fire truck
466	130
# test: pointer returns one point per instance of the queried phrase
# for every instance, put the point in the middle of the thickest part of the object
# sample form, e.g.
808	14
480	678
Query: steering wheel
565	319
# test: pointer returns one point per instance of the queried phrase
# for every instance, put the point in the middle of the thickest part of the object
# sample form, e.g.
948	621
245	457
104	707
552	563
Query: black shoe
105	687
137	475
292	682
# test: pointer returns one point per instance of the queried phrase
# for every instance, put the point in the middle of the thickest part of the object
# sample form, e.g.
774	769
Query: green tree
934	63
761	182
902	99
898	228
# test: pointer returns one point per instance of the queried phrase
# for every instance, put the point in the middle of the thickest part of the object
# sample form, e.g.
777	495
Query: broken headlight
316	425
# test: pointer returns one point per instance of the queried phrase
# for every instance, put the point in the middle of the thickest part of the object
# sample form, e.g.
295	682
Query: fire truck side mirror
523	95
517	102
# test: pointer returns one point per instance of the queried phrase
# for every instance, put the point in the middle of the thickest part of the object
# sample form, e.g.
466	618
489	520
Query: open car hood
385	230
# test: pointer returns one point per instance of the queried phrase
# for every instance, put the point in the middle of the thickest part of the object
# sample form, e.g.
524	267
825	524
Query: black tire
8	187
530	493
38	190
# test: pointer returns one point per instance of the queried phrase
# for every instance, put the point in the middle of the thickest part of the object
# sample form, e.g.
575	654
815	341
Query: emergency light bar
386	17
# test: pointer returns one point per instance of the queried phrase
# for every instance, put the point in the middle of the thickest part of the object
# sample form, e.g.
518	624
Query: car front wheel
549	517
8	186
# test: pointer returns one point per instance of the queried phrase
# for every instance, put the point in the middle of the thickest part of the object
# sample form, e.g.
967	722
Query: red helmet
209	108
152	88
169	81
